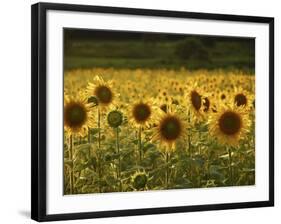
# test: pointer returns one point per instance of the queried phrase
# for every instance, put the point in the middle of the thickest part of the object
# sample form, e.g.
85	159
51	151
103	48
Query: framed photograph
139	111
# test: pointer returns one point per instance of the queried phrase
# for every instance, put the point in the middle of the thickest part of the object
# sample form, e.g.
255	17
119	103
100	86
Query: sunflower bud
139	181
115	119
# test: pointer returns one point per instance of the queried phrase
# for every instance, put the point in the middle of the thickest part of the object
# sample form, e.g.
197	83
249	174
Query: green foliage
204	165
192	48
191	53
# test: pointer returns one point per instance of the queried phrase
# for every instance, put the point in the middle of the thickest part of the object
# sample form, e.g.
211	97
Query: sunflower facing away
77	115
229	125
194	102
115	118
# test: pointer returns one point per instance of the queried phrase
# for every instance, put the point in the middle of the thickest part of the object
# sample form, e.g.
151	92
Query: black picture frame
39	122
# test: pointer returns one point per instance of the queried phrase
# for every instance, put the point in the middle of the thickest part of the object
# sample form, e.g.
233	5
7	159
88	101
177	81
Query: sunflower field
155	129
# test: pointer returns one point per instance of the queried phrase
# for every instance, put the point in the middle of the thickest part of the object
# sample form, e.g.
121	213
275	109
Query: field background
87	49
138	63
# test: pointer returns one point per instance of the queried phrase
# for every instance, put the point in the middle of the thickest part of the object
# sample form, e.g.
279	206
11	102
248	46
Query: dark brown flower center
240	99
223	96
170	128
164	107
230	123
141	112
104	94
196	100
206	104
75	115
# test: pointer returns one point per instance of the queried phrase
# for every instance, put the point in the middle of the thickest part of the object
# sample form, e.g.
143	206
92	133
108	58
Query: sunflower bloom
170	128
229	125
77	115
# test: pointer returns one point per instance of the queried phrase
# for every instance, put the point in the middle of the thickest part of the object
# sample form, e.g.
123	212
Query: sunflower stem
208	165
189	136
99	132
199	145
71	181
136	153
99	146
199	154
167	170
190	146
230	166
89	135
119	160
140	148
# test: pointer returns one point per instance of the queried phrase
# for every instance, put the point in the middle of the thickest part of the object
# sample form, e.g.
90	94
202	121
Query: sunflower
100	92
170	128
223	96
242	98
208	104
114	118
194	102
77	115
229	125
142	113
139	180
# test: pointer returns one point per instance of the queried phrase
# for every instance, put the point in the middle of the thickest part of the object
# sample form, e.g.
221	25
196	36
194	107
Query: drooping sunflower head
229	125
170	128
195	100
102	91
77	115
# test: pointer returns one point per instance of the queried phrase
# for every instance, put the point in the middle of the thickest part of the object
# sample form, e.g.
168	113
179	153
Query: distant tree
68	39
191	48
209	42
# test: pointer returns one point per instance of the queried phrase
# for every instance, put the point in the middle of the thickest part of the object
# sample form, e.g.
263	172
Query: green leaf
94	131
